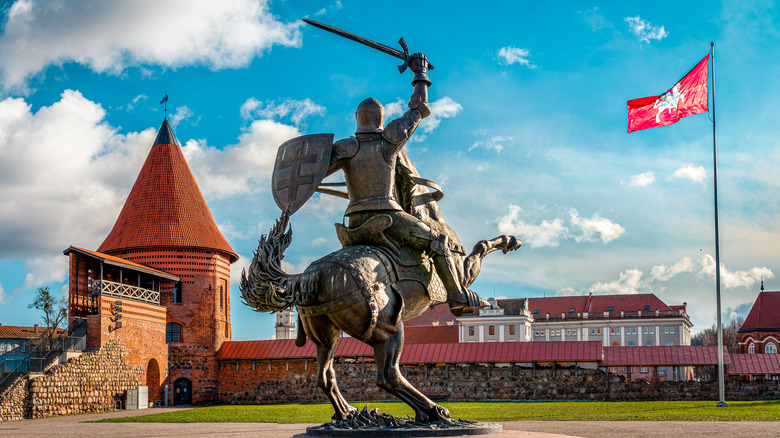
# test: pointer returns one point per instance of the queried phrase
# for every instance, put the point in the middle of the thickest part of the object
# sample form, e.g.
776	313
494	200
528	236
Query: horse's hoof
436	414
341	416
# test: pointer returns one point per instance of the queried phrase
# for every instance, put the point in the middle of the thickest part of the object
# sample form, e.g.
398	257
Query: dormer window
536	311
571	310
611	308
647	308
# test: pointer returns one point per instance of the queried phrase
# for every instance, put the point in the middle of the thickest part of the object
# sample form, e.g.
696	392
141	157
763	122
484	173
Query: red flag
688	97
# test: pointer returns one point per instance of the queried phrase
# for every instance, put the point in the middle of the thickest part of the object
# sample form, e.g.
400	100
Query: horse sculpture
366	291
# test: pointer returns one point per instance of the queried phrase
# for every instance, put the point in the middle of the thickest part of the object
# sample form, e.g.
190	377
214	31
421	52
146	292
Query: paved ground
74	426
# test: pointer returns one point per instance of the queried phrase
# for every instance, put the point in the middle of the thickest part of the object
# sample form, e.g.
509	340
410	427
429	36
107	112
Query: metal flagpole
721	395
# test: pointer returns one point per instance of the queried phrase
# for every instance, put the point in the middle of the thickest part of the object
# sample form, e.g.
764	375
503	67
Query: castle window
671	329
770	348
492	330
669	342
172	332
177	292
631	344
511	329
221	298
752	349
471	330
649	343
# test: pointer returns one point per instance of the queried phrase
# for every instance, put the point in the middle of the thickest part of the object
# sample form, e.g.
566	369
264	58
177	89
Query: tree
55	312
709	336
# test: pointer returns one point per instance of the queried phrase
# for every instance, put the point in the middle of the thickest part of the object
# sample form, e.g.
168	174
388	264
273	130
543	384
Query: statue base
375	424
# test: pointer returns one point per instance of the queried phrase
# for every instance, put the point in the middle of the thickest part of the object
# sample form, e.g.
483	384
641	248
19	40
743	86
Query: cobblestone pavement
75	426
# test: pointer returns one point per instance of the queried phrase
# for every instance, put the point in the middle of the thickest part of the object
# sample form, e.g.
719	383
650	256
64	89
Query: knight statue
398	257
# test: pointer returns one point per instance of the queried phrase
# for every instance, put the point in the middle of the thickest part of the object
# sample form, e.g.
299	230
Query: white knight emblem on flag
668	100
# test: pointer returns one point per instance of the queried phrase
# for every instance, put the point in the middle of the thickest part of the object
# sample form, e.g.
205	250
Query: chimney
35	328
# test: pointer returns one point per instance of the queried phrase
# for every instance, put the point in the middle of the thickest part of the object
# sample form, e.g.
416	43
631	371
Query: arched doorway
153	380
182	392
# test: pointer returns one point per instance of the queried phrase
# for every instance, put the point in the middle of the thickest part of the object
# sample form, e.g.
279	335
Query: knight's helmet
370	116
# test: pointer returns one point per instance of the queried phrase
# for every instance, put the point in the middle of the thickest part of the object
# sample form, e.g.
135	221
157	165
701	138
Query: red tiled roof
754	364
765	313
439	313
424	353
18	332
663	355
442	334
592	304
122	262
165	207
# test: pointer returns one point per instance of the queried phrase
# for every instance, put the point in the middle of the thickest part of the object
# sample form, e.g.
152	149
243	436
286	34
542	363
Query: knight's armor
369	162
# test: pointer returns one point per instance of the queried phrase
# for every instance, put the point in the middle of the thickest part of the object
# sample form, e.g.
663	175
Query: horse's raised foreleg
389	378
473	262
326	375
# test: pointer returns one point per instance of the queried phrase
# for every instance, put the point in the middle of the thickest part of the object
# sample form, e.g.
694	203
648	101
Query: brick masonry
294	381
92	382
203	313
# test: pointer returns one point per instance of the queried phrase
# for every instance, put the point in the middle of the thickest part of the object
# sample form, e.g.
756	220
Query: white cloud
58	163
628	283
644	30
334	7
319	241
3	297
547	233
296	110
394	109
45	270
642	180
513	55
691	172
495	143
444	108
734	279
135	101
552	232
182	113
665	273
109	36
595	228
241	168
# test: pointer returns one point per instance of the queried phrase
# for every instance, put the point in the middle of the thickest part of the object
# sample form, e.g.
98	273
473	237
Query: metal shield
301	164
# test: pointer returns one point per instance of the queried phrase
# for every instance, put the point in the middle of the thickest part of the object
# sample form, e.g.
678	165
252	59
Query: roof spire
762	283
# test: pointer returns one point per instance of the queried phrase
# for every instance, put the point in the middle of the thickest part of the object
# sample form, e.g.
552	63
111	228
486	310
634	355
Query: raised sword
373	44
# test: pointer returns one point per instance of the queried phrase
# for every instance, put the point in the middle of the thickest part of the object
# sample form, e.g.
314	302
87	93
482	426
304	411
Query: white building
615	320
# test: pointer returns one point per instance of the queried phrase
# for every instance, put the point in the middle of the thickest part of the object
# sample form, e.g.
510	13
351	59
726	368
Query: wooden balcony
110	288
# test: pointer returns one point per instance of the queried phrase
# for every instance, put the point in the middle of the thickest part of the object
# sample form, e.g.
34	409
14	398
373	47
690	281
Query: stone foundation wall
92	382
13	404
294	381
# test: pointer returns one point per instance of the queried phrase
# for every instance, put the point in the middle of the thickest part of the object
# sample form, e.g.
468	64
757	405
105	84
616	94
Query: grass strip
483	411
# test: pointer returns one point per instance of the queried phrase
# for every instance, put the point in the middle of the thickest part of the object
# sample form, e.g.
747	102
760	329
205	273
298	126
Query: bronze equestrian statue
399	257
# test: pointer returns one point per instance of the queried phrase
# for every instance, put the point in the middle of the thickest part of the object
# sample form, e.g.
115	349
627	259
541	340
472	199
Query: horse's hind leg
389	378
326	374
473	262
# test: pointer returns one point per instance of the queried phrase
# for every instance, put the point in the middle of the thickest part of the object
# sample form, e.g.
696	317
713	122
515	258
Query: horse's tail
267	288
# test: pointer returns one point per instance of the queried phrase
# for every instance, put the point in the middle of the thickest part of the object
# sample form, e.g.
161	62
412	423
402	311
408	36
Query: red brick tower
166	224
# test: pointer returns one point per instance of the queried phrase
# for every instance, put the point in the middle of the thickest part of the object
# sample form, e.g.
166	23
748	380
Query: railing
110	288
39	358
609	315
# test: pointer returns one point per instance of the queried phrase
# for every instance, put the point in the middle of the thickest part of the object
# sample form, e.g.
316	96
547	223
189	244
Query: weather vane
165	101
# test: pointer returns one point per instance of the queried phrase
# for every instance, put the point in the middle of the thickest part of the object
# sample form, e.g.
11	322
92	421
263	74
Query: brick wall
294	381
142	333
92	382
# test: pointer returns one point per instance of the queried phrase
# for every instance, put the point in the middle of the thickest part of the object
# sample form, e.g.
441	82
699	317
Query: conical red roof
165	208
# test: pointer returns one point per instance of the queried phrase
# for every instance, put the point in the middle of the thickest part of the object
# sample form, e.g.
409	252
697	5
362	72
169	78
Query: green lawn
485	411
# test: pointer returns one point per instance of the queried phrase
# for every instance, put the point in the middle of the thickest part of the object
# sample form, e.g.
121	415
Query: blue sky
528	134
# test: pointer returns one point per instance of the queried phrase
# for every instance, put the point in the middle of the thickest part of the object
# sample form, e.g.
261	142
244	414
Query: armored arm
399	130
342	151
